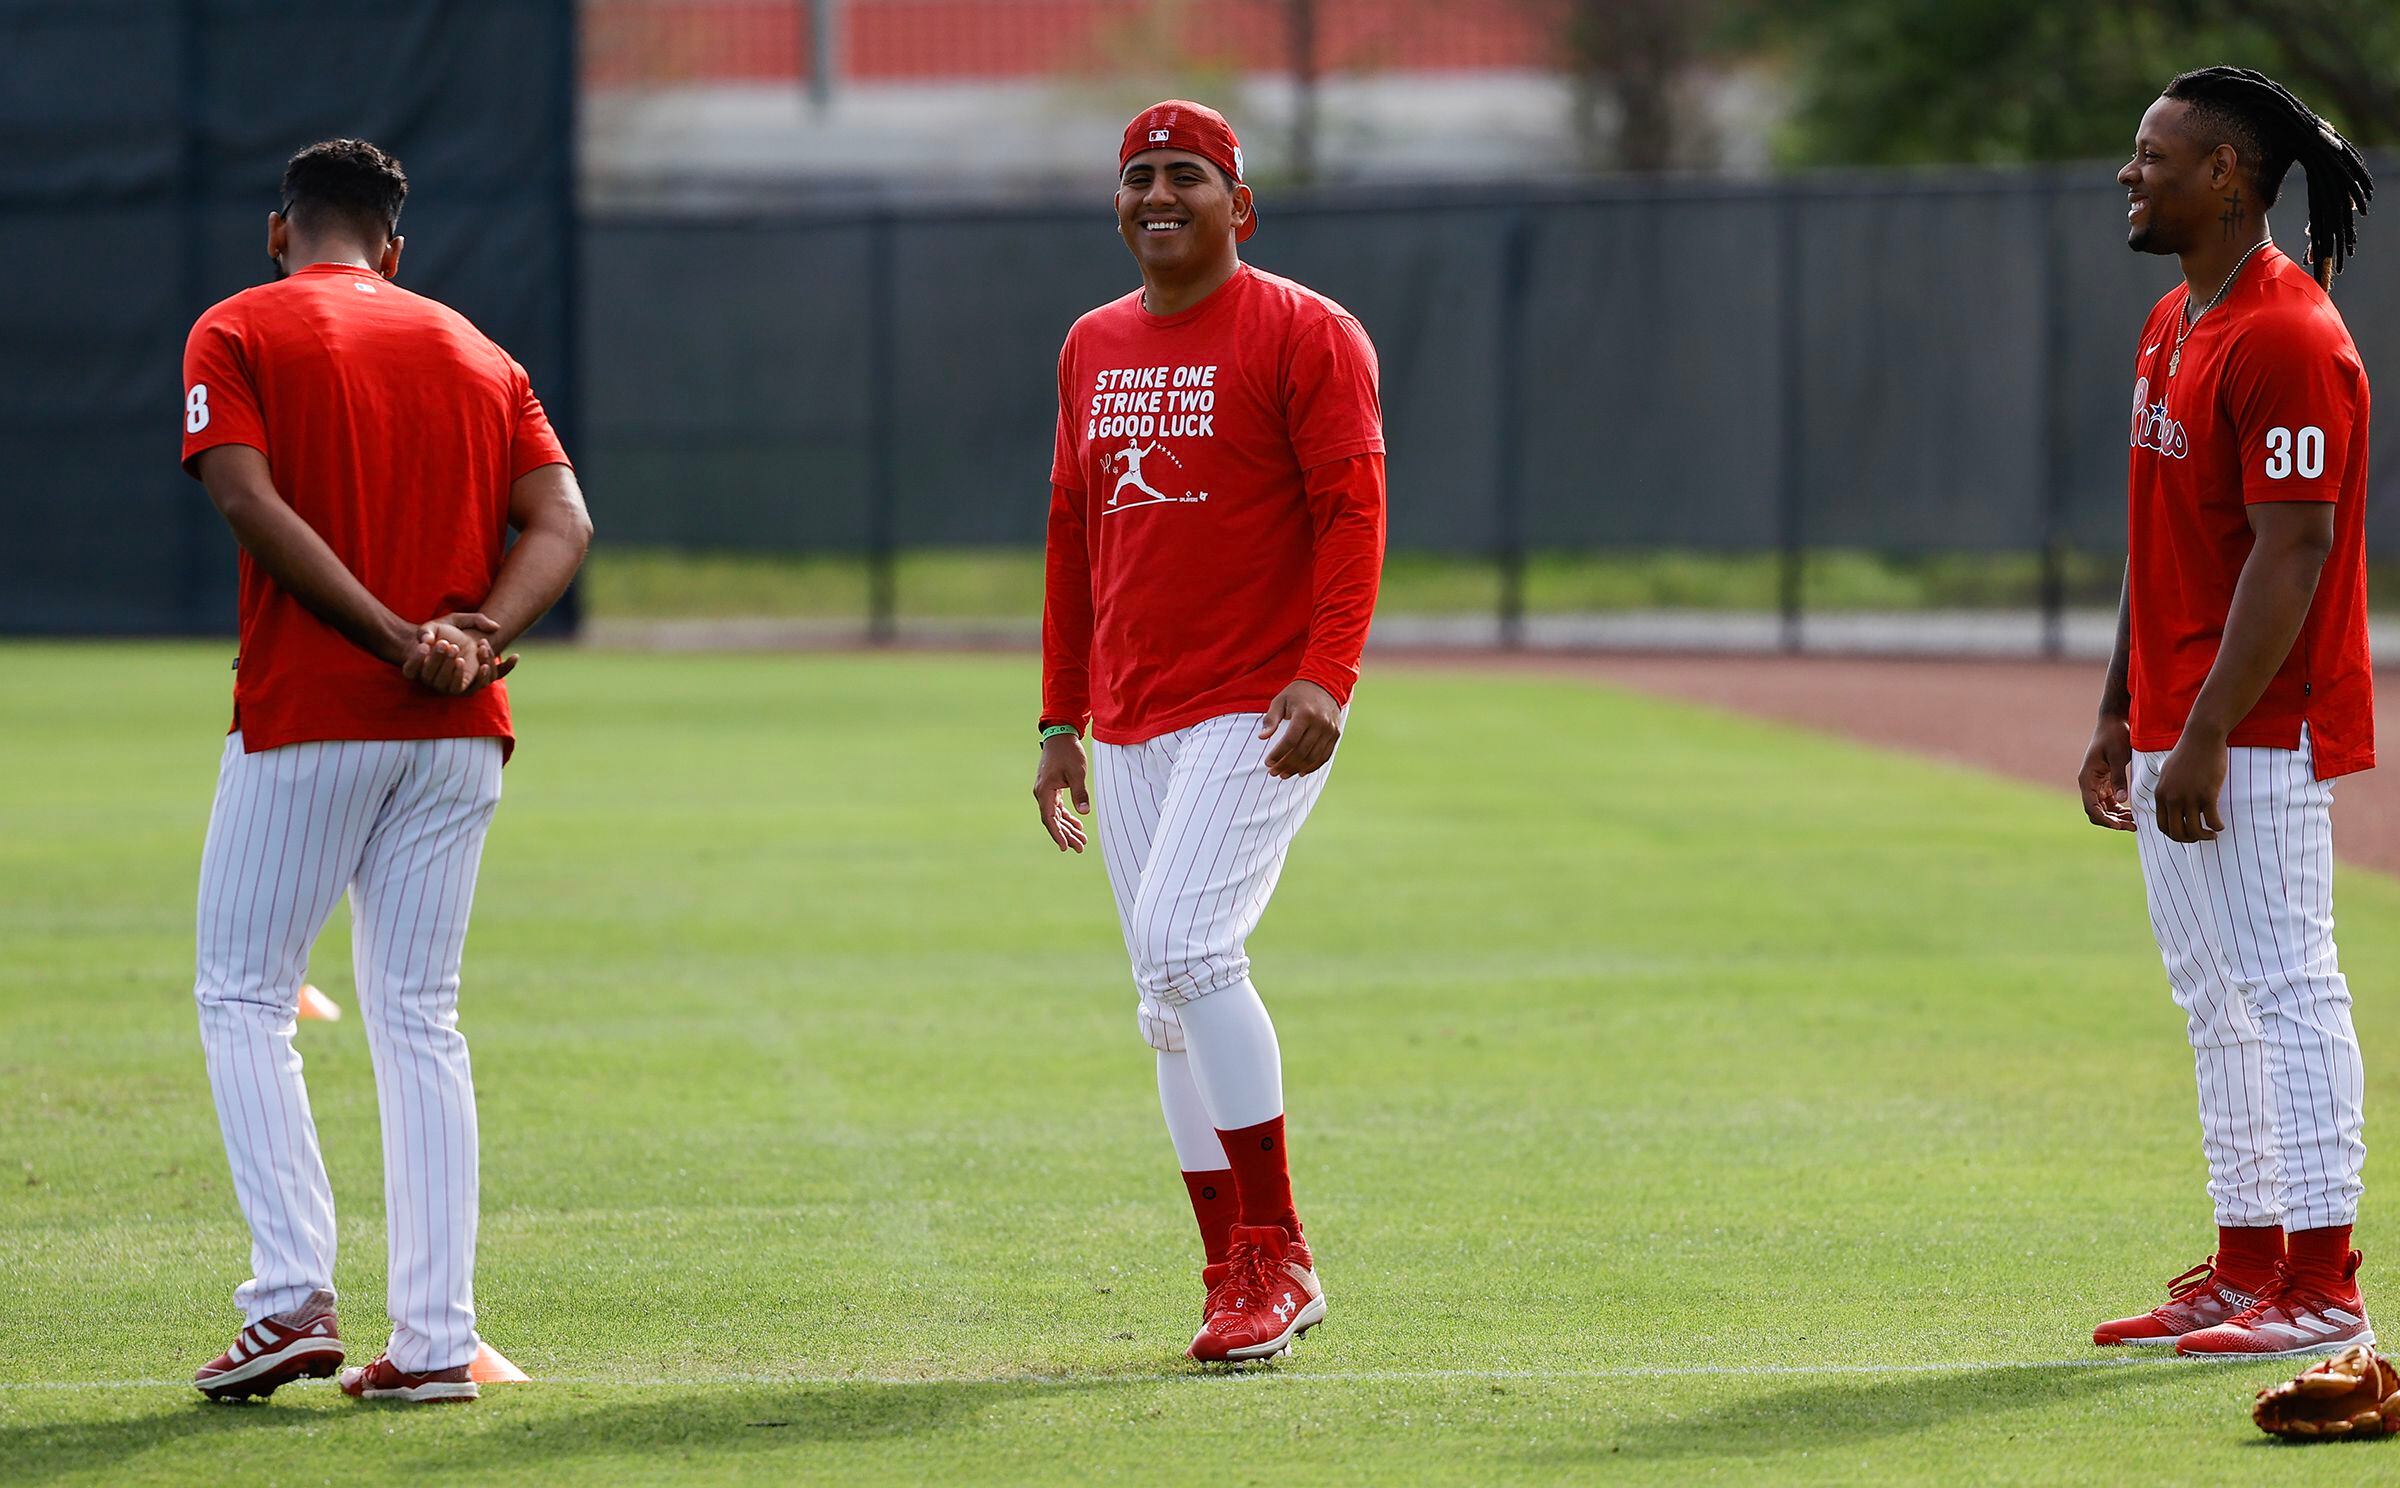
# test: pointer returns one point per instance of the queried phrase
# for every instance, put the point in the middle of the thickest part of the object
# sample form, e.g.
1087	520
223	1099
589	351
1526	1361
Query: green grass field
1673	1098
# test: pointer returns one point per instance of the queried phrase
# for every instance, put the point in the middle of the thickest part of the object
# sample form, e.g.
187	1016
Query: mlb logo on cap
1182	124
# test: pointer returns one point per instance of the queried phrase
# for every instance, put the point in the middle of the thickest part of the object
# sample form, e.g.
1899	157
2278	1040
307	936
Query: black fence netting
1892	364
1934	363
141	145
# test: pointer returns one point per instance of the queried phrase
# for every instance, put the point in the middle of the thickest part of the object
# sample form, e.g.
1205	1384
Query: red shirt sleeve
532	443
220	401
1067	614
1066	572
1332	406
1066	457
1345	505
2292	392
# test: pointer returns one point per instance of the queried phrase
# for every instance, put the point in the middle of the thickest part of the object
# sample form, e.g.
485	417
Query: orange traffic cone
490	1368
316	1007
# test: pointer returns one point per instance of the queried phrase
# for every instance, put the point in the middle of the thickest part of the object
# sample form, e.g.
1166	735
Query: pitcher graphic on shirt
1133	455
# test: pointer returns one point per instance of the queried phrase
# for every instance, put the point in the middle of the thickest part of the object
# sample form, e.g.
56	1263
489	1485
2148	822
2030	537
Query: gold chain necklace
2192	322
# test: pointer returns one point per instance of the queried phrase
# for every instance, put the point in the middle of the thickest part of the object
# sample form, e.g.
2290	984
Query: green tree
1892	82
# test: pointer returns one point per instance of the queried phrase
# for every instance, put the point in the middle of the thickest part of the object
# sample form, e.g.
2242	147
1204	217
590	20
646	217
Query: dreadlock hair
2273	131
347	179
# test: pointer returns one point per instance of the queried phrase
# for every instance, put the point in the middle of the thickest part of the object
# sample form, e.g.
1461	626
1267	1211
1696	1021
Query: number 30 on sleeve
2287	455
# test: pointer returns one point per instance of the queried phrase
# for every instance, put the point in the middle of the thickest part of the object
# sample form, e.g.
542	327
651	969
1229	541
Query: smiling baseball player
2240	688
370	450
1215	543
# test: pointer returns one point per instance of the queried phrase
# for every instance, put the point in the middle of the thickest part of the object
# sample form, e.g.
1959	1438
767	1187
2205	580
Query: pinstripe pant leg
286	830
2237	1109
2272	873
409	908
1129	785
1224	828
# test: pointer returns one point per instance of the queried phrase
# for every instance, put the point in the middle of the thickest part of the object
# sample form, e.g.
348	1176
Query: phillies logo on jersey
2153	427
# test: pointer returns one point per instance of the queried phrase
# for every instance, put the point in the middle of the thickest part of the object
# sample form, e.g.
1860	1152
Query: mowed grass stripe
1620	1037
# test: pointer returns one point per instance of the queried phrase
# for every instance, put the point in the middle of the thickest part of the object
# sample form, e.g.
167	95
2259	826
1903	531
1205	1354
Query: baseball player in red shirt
1216	538
370	450
2240	689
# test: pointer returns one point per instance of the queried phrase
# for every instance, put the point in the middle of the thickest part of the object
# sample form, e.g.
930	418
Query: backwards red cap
1180	124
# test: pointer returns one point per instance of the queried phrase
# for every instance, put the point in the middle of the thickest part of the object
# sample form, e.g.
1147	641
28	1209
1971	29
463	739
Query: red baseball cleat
2289	1321
1215	1277
2197	1299
1268	1298
271	1353
382	1380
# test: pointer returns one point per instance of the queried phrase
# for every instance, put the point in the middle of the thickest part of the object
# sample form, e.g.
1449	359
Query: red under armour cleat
1269	1297
2291	1320
2197	1299
1215	1277
382	1380
270	1354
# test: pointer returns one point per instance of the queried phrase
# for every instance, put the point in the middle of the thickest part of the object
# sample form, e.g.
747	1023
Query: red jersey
2269	403
395	429
1216	513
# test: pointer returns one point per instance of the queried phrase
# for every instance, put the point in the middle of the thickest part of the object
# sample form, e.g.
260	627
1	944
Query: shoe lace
2195	1280
2271	1296
1254	1275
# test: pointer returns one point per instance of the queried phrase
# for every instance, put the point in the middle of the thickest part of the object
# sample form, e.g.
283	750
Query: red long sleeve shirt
1216	509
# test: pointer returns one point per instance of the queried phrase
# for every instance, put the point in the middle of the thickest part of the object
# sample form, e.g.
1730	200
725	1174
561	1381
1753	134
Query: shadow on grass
505	1432
1844	1410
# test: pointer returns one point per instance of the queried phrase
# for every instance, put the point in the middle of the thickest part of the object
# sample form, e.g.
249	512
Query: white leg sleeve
409	913
1236	1062
1197	1149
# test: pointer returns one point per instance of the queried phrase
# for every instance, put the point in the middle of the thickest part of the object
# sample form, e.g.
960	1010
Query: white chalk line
1289	1374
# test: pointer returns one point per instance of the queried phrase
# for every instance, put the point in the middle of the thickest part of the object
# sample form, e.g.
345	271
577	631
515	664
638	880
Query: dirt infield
2030	719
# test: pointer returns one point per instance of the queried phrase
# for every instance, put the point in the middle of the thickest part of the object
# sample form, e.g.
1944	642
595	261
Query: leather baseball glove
2354	1393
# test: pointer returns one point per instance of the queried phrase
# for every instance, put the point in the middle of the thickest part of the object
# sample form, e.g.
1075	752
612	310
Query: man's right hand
2107	796
445	642
445	659
1059	776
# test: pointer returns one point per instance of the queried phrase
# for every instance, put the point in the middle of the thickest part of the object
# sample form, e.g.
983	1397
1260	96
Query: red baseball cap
1180	124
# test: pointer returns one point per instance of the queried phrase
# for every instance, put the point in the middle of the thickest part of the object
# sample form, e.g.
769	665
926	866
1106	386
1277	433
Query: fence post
1508	426
566	617
824	47
193	181
2055	474
1791	475
882	336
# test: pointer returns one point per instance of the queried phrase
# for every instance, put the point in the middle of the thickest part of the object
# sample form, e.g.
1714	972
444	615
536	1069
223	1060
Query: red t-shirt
395	429
2269	404
1216	514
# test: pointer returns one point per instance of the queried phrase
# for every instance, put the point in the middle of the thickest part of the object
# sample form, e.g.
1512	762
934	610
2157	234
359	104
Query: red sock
2320	1258
2247	1257
1214	1206
1260	1174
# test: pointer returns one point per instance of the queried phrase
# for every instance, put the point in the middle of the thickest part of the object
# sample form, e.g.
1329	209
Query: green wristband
1054	730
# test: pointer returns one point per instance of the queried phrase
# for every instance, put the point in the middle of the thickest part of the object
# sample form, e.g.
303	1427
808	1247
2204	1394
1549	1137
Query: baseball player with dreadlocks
2239	690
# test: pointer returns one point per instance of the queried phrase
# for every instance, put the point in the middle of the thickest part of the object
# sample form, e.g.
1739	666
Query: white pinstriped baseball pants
2245	928
399	824
1194	832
